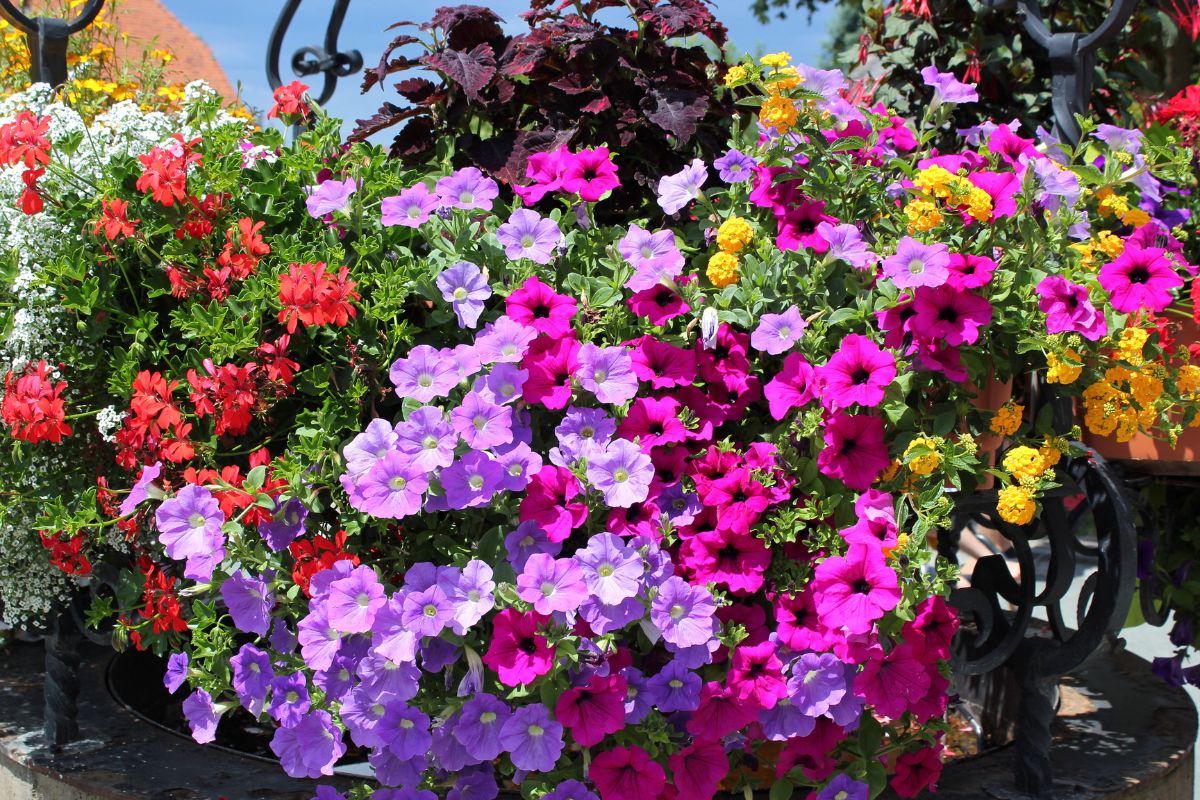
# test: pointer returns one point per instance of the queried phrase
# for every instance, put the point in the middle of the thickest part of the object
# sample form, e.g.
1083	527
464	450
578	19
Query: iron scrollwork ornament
325	60
1072	57
48	38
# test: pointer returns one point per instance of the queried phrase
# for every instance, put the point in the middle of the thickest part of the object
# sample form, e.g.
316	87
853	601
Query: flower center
515	470
647	252
587	432
377	710
292	697
508	350
414	212
675	683
916	266
196	520
621	475
473	595
430	442
255	668
407	724
487	717
527	241
425	380
810	676
677	611
460	293
547	588
605	571
600	376
398	483
785	331
475	482
480	422
535	730
466	197
430	610
508	390
363	599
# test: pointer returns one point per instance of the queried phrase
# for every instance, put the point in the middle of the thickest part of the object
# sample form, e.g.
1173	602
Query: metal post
312	60
48	39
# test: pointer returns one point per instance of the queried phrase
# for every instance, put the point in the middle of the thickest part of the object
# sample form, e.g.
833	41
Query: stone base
1121	733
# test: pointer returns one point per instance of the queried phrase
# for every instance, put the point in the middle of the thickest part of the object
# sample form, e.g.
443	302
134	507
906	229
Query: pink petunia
698	769
859	372
952	315
627	773
518	653
793	387
551	363
537	305
855	590
662	365
893	683
1140	278
593	711
547	502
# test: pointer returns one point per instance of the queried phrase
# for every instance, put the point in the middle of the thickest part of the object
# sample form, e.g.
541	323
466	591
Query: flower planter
1115	705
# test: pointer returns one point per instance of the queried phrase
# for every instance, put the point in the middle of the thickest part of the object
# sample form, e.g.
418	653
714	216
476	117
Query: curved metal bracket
48	39
1072	57
312	60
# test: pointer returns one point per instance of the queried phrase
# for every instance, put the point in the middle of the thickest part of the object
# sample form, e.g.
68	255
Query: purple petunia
532	738
528	234
252	676
369	447
612	570
471	481
250	601
675	688
177	670
777	333
141	490
202	716
189	527
481	423
467	188
472	595
426	438
846	244
479	726
427	612
475	782
947	88
683	613
607	372
464	287
411	208
552	584
520	464
735	167
289	698
504	384
353	601
424	374
404	730
915	264
319	641
583	434
392	489
504	341
386	680
654	257
329	197
818	683
570	790
676	191
310	748
622	473
286	524
526	540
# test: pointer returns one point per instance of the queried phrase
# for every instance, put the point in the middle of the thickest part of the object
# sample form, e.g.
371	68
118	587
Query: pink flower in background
590	173
1068	308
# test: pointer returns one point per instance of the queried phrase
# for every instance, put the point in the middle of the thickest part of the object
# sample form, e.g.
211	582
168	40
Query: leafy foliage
571	79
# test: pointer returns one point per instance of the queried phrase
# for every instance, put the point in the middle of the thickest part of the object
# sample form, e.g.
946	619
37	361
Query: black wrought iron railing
999	609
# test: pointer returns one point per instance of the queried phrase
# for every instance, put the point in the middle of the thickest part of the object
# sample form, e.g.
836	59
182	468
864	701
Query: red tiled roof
148	23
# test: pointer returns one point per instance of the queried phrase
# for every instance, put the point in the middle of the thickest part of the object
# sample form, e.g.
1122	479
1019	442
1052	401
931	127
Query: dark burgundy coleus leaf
388	115
472	70
415	141
387	65
421	91
505	157
676	111
466	26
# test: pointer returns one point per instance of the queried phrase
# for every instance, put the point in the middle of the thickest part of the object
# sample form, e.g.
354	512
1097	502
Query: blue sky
238	30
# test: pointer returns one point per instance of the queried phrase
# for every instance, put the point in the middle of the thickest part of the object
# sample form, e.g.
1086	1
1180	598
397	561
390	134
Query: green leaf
781	790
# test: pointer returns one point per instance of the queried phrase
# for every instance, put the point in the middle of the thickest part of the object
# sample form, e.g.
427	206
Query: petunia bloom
528	234
855	590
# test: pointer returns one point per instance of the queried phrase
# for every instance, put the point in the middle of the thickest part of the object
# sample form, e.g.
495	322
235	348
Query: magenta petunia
1068	308
1140	278
756	674
552	362
859	372
537	305
855	452
548	503
627	773
590	173
952	315
518	653
855	590
970	272
894	683
659	304
663	365
546	171
594	710
794	387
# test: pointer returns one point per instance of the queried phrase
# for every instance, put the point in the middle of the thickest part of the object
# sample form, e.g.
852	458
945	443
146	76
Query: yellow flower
1059	371
1135	217
922	216
165	56
776	60
1112	204
901	543
1145	387
723	270
173	93
936	181
1129	348
779	113
1024	462
1016	505
736	74
734	234
1188	381
1052	451
979	205
1111	244
784	79
923	464
1007	419
967	442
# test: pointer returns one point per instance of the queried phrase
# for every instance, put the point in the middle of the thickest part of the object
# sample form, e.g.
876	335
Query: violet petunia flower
622	473
735	166
310	748
286	524
202	716
655	258
329	197
252	676
423	375
528	234
392	489
846	244
676	191
778	333
426	438
675	688
818	683
532	738
526	540
369	447
250	601
481	423
582	434
683	613
612	570
552	584
411	208
289	698
177	670
504	341
142	489
916	264
503	384
189	527
607	372
464	287
427	612
467	189
947	88
353	601
471	481
478	729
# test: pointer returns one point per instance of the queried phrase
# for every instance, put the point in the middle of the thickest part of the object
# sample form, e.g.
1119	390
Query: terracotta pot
992	396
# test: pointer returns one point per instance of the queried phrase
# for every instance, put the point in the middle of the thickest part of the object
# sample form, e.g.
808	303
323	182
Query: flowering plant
486	495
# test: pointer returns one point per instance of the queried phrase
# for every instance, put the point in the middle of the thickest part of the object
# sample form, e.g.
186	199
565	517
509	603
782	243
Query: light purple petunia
778	333
467	188
675	688
369	447
177	670
846	244
329	197
612	570
817	684
472	594
471	481
654	257
411	208
392	489
528	234
683	613
1128	140
481	423
319	641
474	782
526	540
339	680
353	601
520	464
552	584
735	166
286	524
915	264
289	698
189	527
141	489
202	716
405	731
680	506
947	88
427	612
532	738
676	191
425	374
622	473
464	287
503	384
390	637
504	341
607	372
826	82
1058	185
785	721
250	600
583	434
427	439
252	676
386	680
310	748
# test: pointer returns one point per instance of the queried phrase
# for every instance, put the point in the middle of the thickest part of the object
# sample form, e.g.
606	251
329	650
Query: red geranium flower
311	295
33	407
25	140
289	101
164	170
66	554
316	555
114	220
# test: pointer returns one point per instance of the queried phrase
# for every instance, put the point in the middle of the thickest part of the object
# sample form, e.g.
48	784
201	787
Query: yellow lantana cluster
1025	462
1063	372
722	269
923	215
1008	419
734	234
926	463
955	191
1016	504
779	113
